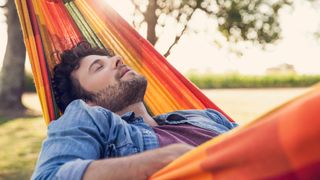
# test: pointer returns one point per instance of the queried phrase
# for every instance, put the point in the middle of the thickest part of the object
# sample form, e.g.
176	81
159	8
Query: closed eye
96	65
99	66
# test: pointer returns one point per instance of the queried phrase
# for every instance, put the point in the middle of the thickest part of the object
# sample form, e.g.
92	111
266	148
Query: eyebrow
93	63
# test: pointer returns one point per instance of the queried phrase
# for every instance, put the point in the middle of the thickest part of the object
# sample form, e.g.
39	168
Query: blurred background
247	56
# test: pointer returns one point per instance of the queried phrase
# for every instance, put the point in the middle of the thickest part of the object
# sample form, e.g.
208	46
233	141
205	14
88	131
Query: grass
20	141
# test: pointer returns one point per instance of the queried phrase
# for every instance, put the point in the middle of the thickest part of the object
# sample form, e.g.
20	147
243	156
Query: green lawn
20	141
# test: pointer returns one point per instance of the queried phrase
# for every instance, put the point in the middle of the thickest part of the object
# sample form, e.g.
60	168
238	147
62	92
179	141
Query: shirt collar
128	116
173	116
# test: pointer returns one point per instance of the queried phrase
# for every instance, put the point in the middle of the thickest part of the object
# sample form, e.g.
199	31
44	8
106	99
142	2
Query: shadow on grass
21	175
10	115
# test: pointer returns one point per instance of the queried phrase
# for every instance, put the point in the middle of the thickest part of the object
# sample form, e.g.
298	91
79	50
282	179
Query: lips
124	71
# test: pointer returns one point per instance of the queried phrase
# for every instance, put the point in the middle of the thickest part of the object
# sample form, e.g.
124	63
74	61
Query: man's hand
138	166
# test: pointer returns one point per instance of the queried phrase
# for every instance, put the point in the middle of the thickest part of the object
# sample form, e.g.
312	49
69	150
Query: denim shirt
86	133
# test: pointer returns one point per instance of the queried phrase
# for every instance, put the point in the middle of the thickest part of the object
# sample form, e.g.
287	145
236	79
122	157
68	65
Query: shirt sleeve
73	142
220	118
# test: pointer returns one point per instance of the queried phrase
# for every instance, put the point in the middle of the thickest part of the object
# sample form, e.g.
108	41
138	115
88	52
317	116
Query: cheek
98	81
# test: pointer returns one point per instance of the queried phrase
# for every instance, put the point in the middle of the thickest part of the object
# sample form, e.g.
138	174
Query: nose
118	62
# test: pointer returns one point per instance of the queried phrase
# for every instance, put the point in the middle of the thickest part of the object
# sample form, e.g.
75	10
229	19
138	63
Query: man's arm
79	138
139	166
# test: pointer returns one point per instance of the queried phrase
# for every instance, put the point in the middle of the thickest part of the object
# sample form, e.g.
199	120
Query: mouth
125	71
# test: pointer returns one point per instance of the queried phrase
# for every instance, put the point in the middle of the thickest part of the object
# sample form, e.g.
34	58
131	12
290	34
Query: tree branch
175	42
136	24
137	10
136	7
182	32
204	9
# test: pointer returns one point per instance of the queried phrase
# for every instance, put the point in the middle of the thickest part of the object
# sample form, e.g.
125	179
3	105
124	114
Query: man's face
113	84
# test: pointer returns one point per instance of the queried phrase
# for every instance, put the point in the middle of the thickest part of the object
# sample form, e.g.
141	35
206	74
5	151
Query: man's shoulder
81	105
79	113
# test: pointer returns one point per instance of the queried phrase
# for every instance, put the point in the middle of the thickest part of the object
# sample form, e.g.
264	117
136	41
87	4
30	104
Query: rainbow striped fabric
52	26
283	144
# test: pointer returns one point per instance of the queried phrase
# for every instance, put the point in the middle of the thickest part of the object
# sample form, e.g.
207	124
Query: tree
316	5
12	73
238	20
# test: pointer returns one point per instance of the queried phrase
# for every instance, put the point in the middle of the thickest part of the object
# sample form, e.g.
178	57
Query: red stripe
311	171
43	67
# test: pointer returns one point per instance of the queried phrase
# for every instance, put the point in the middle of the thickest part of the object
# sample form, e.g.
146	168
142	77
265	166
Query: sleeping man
106	131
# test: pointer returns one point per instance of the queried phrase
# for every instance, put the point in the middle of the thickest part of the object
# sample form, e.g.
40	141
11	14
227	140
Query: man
106	131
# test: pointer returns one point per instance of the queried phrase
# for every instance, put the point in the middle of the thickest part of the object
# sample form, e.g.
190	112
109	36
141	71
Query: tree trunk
151	19
12	74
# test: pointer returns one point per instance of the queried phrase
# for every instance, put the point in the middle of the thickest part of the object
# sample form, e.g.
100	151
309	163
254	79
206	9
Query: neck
139	110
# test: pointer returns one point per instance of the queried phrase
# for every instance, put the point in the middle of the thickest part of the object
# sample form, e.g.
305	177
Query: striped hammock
281	144
52	26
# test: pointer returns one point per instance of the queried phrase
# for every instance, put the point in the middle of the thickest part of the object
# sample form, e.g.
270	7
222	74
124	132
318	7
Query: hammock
50	27
268	148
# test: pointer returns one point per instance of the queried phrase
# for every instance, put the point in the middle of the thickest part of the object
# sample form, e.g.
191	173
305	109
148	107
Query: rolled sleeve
73	142
73	170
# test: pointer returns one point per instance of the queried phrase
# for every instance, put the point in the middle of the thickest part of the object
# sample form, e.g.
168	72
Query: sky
199	52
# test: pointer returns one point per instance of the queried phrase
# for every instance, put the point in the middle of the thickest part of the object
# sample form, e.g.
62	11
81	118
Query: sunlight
297	46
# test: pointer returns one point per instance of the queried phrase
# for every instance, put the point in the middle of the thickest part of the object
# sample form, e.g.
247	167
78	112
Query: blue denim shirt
85	133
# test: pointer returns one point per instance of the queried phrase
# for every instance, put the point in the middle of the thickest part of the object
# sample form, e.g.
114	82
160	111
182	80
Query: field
234	80
20	139
244	105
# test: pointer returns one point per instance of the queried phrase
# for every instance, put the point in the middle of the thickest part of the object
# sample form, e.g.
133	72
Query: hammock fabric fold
282	144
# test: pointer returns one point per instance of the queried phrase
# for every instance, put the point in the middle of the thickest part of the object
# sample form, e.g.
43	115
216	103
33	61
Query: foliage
255	20
210	80
238	20
316	5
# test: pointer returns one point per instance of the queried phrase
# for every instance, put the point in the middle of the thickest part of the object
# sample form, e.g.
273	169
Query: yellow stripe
33	55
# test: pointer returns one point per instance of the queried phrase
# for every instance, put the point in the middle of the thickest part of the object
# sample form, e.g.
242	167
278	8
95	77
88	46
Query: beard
119	96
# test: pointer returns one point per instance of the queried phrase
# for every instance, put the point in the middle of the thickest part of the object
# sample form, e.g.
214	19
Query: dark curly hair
65	87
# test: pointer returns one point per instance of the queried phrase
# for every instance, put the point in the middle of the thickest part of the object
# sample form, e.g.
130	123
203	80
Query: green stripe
83	25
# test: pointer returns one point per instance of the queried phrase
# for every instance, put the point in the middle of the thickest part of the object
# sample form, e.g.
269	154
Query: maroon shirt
182	133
